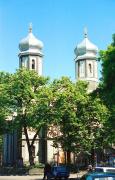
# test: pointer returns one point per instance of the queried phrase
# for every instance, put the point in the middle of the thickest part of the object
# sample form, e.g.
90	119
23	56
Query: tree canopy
80	116
107	88
31	101
26	98
107	58
4	101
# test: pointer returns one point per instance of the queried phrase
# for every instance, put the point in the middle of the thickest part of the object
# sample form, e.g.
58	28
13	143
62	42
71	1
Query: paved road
21	177
40	177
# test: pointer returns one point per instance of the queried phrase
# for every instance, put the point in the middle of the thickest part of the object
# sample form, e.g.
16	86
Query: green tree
4	112
28	99
94	115
66	94
77	114
4	79
107	58
107	88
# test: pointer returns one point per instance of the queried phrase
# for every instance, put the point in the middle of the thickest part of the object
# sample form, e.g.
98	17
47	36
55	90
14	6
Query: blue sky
59	24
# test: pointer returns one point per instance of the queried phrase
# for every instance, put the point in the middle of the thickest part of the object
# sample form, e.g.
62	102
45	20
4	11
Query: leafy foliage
79	116
107	89
4	101
108	71
26	99
32	102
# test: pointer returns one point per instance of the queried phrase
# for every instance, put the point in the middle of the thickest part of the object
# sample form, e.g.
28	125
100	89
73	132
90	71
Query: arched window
33	64
90	68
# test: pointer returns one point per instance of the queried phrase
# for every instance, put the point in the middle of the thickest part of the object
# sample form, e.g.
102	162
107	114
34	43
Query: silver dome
86	47
30	43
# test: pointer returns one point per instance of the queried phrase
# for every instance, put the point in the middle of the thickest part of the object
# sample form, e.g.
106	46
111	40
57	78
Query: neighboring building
86	67
31	57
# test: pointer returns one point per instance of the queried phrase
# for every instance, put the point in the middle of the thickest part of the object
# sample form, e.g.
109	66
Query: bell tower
86	62
30	55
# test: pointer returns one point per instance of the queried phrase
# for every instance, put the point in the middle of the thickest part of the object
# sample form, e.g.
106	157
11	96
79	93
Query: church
31	57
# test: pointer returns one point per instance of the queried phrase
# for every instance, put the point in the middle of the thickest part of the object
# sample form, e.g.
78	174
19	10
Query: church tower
30	55
86	62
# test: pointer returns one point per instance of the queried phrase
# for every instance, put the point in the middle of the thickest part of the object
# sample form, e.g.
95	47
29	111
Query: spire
85	32
30	27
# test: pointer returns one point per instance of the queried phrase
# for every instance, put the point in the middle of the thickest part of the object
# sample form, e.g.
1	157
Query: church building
31	57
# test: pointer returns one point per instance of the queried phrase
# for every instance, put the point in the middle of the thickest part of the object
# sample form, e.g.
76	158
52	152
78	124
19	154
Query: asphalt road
74	176
21	177
39	177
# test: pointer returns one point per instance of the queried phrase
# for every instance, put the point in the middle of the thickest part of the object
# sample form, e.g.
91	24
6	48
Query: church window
81	69
90	68
33	64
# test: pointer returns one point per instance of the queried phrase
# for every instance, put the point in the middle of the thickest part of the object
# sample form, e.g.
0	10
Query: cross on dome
30	27
85	32
85	47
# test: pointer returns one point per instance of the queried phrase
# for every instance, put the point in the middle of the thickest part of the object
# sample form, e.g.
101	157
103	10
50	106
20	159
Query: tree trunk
30	146
31	155
68	157
31	158
93	157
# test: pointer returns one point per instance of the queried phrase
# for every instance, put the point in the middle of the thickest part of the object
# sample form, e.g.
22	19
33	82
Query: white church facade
31	57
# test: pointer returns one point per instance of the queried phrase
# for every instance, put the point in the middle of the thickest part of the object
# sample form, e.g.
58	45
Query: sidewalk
39	177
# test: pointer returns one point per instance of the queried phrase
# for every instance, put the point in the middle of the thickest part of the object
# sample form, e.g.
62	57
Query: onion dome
30	43
85	49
